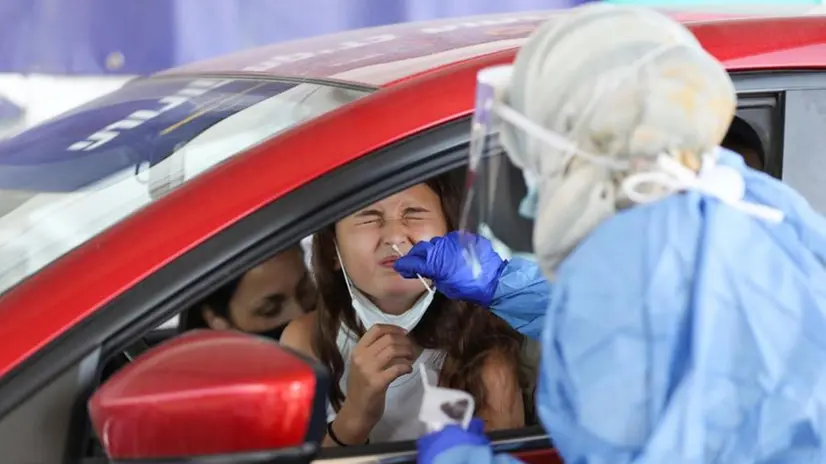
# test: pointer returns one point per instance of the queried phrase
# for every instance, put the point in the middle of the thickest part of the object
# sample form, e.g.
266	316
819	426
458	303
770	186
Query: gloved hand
442	261
431	445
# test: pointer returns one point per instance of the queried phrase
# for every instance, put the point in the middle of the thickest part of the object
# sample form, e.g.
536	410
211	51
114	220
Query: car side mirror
212	394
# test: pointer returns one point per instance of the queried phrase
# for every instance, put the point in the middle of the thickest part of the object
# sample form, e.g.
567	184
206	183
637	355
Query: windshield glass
67	180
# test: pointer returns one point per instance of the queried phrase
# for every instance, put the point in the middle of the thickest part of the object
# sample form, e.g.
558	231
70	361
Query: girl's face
365	242
269	295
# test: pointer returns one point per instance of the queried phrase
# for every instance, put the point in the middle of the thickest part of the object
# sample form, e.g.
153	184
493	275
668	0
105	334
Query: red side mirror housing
214	393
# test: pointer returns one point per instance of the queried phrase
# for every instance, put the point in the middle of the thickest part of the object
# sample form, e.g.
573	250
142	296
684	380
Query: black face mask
274	333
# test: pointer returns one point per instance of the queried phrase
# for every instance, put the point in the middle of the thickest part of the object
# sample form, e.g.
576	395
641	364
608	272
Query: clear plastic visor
495	185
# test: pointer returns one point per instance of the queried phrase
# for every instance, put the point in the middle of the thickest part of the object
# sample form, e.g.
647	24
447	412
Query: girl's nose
395	233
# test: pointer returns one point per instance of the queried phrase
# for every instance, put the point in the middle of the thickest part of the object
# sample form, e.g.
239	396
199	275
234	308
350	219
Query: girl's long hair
466	333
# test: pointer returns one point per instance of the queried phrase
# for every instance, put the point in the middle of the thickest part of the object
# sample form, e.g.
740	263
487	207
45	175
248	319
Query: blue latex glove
685	331
442	261
454	445
430	446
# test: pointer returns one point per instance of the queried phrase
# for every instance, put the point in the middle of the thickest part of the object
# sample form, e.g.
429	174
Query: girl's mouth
388	262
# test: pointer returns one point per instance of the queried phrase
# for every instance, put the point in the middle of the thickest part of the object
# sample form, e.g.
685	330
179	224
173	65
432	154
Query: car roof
379	56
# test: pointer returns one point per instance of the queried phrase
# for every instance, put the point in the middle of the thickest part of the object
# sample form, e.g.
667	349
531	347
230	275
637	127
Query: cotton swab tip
424	282
421	279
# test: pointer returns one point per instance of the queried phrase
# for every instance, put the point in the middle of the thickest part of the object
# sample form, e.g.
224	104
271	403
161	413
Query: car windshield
69	179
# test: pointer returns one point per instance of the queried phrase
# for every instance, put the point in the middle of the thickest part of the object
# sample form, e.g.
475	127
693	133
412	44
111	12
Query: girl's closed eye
369	217
416	214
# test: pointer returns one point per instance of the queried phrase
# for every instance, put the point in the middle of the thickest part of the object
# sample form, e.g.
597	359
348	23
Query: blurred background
57	54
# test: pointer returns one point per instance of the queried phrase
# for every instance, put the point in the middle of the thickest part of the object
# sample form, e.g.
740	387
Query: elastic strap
333	436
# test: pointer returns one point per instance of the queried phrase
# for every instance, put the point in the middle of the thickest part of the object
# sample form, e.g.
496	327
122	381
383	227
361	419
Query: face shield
503	188
496	187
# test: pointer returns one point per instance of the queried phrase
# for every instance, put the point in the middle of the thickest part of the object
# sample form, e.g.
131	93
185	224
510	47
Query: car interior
748	135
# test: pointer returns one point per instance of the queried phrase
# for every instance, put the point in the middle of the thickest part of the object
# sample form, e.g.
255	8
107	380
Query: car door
55	394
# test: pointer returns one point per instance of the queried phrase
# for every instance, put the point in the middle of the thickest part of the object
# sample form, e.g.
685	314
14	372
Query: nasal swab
421	279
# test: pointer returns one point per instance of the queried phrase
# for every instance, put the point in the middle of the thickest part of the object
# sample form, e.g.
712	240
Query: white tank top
404	396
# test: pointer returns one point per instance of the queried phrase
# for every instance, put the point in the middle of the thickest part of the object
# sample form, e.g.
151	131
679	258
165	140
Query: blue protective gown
685	331
521	297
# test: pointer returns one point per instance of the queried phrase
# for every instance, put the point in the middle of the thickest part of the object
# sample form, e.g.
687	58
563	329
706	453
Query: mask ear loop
350	286
352	290
552	139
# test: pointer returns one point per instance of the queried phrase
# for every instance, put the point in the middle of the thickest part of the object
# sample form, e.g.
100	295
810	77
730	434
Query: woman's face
269	295
365	239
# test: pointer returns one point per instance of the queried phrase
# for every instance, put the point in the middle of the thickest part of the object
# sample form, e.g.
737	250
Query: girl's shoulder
298	334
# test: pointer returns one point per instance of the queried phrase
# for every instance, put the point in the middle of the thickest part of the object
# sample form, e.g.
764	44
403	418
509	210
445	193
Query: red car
118	215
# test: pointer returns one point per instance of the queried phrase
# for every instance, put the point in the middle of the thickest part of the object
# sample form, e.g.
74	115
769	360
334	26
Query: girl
374	327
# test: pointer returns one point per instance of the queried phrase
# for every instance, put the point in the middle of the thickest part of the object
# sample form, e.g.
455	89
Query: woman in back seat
262	301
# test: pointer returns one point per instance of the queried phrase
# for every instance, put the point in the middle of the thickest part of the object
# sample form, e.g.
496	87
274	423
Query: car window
67	180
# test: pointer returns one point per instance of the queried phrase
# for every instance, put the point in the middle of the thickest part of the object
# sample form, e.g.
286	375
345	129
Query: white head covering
622	82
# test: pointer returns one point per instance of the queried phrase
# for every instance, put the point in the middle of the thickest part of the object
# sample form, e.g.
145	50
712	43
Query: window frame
69	365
